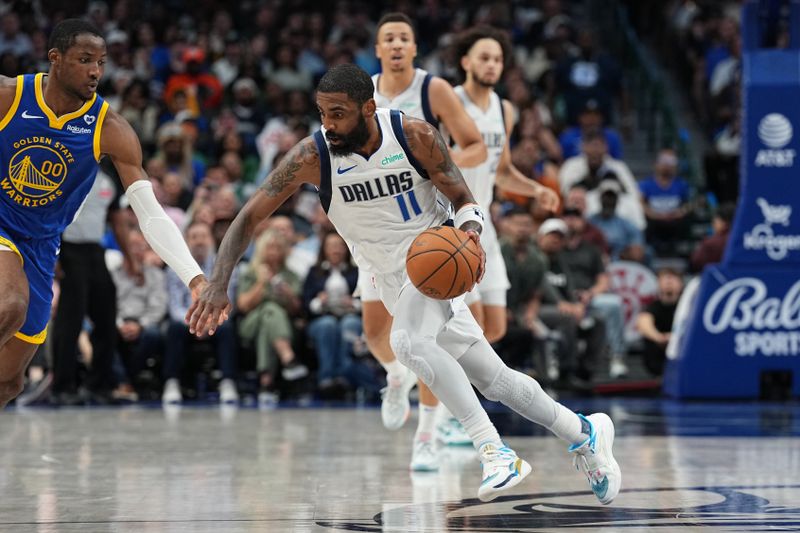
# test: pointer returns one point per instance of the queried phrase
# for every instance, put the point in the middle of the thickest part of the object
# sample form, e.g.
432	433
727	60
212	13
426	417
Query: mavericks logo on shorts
36	171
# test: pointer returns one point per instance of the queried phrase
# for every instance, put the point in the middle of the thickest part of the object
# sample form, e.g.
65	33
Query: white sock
481	430
567	425
443	414
394	370
427	422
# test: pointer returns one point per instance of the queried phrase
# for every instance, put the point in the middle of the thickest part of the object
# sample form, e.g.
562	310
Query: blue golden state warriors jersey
47	163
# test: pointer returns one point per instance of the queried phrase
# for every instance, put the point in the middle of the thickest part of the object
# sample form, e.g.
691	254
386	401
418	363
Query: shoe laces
424	447
490	454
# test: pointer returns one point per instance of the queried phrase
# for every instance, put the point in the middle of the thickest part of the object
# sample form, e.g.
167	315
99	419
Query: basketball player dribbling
420	95
53	132
481	53
394	166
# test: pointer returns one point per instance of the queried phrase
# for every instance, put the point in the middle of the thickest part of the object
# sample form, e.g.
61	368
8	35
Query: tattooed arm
428	147
300	165
430	150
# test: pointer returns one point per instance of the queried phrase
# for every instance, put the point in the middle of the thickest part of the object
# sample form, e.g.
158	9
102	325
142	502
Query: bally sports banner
745	318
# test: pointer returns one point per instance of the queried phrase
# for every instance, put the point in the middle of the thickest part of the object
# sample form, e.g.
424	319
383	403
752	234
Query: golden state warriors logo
36	171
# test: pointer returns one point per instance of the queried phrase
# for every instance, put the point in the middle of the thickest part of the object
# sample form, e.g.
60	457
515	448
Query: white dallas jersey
492	126
378	205
414	101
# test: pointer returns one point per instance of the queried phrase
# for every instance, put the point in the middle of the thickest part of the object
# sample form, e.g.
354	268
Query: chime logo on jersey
378	187
36	171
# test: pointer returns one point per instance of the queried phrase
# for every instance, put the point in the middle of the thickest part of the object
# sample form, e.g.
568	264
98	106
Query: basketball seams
437	269
454	251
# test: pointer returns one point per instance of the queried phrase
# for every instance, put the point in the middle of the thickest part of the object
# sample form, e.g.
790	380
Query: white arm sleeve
161	232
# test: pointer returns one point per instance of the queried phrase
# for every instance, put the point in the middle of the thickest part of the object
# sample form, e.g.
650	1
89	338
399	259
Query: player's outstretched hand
210	308
475	236
548	199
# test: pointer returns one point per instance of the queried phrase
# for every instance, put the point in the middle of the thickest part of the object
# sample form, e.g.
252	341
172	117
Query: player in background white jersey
418	94
482	53
439	339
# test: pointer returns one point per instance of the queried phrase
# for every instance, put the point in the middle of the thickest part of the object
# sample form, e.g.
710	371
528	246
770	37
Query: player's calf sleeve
518	391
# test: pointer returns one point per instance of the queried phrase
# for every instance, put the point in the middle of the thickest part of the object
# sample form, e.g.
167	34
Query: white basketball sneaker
424	457
502	469
594	458
395	407
450	432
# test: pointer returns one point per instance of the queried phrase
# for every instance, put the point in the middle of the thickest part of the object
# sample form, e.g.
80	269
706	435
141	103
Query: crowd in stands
219	93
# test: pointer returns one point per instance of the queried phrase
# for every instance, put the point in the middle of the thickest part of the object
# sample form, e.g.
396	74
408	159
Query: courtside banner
742	323
745	320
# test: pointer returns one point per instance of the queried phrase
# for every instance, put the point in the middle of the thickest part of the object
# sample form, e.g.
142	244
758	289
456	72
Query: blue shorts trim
39	263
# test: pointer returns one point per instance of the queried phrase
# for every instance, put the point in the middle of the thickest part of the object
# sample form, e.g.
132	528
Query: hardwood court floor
686	467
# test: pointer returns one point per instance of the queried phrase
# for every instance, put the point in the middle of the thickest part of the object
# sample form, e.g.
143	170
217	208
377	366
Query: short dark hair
349	79
467	39
63	35
726	212
395	16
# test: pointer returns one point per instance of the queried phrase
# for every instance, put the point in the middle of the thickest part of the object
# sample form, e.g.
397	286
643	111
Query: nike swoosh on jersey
341	170
26	115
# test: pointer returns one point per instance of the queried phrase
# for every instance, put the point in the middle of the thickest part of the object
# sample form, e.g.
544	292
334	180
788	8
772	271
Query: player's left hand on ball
475	236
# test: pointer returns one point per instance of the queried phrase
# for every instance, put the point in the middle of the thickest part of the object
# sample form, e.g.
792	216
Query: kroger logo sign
775	132
763	237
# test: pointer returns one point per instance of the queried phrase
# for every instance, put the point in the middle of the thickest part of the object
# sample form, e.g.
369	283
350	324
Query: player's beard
350	142
483	81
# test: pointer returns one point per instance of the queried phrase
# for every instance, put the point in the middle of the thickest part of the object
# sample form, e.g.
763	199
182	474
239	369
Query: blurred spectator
591	75
526	267
594	167
203	90
141	112
175	150
591	234
12	39
250	117
712	248
141	306
655	322
589	119
665	198
334	321
267	298
178	343
563	310
286	74
591	282
625	239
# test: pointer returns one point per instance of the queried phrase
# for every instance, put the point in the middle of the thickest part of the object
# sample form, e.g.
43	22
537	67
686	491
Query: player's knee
14	309
10	389
404	349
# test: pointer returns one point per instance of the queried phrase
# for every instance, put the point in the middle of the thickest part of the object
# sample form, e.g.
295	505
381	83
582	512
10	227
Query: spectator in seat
593	288
563	304
665	198
593	167
334	321
267	298
176	345
655	322
711	249
141	306
203	90
624	238
589	119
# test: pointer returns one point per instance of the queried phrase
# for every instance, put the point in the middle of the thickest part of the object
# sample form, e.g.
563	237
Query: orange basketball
443	262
